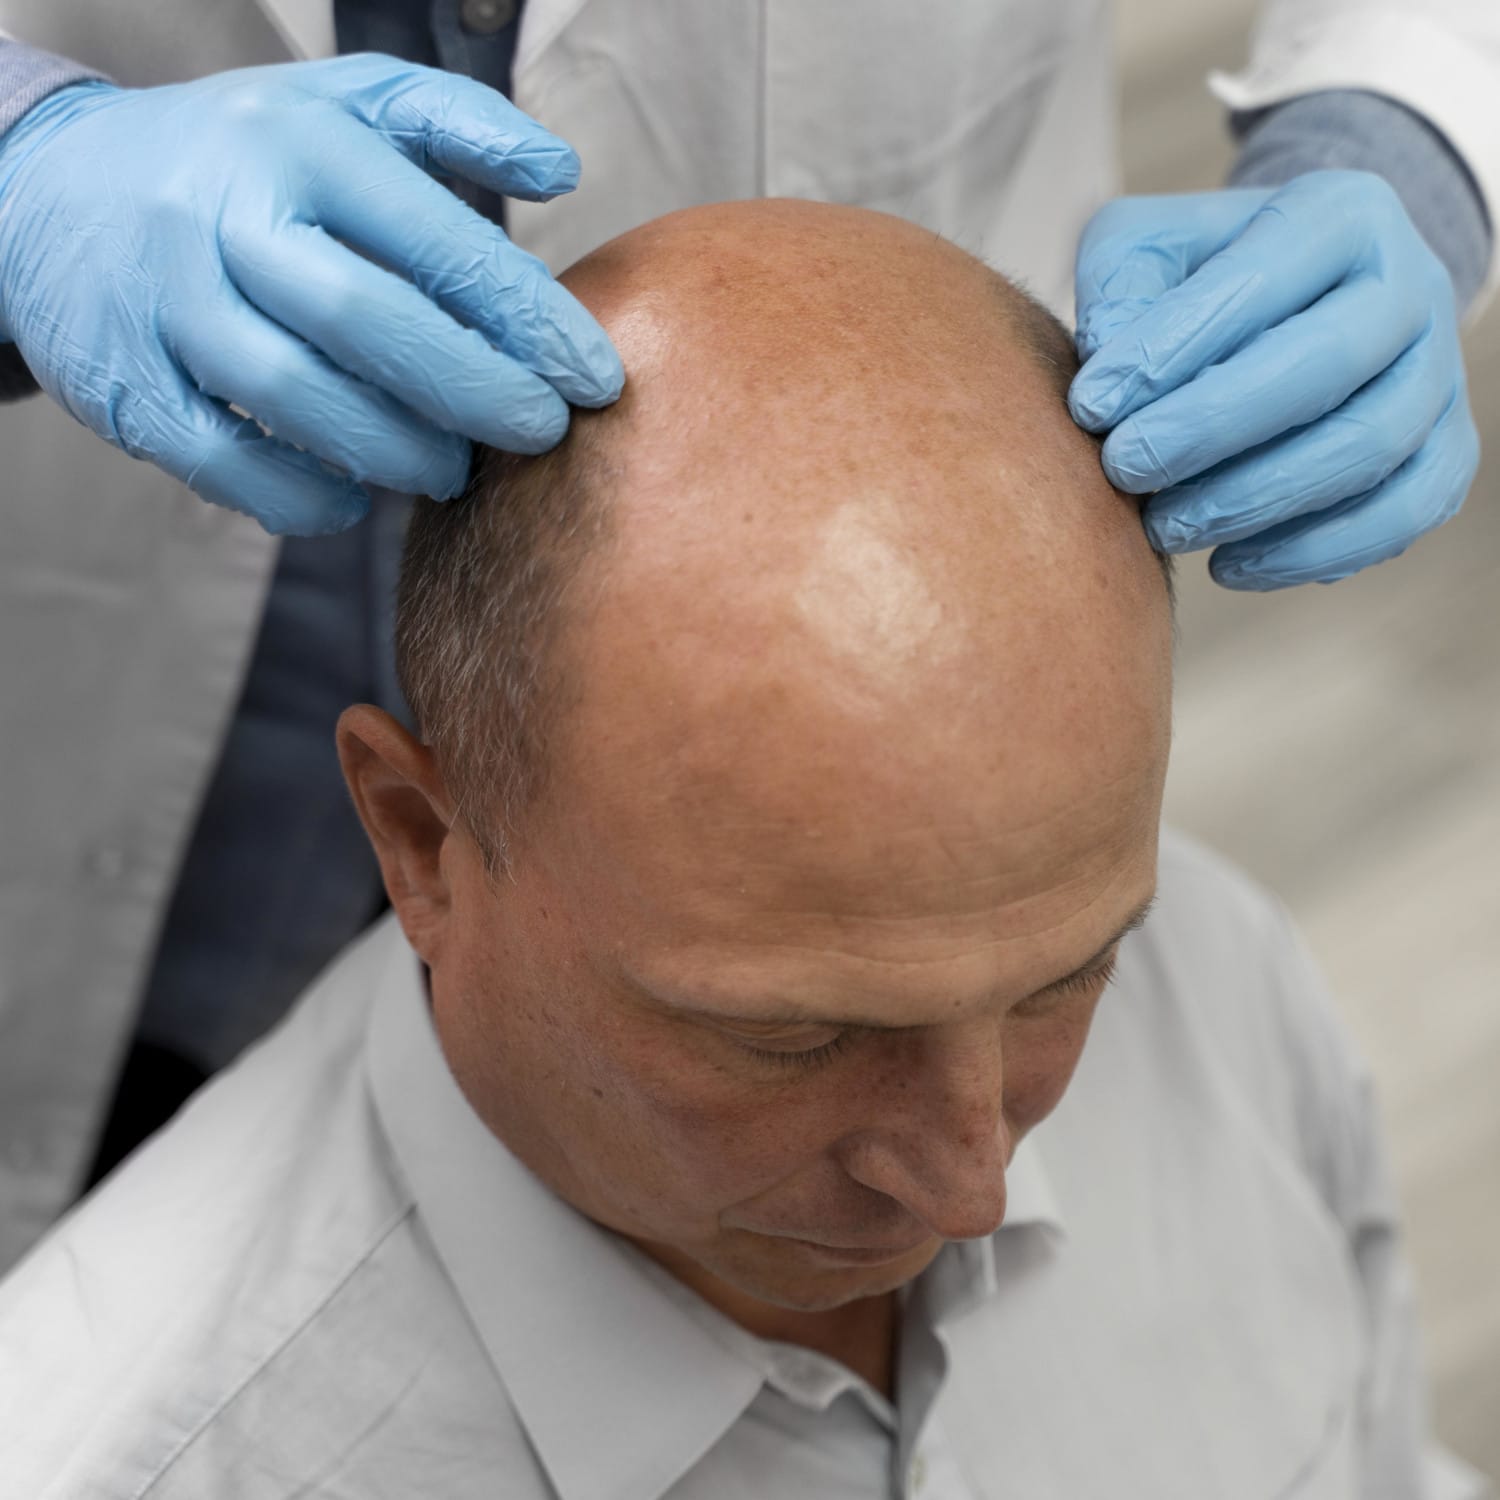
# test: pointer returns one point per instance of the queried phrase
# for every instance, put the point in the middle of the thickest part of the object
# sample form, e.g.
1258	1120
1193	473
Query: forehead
854	732
886	872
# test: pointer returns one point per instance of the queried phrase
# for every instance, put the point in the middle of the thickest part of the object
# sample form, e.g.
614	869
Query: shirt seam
236	1391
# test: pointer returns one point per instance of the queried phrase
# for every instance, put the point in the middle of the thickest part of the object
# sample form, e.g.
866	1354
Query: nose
940	1142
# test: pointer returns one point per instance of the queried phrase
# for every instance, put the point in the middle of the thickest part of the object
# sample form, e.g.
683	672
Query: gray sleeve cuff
28	75
1348	128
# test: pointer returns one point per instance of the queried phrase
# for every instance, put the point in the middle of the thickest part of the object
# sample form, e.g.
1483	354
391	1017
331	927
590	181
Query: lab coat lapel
306	26
542	22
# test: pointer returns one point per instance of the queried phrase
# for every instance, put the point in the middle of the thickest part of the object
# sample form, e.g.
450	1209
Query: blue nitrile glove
1281	368
166	253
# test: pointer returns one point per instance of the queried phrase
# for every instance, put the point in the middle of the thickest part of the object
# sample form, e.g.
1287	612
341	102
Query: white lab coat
128	608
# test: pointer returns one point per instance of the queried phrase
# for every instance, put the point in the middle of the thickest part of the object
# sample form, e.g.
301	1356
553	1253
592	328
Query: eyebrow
790	1015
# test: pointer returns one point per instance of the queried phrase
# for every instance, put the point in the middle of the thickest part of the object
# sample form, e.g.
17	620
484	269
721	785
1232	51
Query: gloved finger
395	212
239	356
450	123
382	329
289	492
1348	453
1290	375
1327	545
229	461
1218	310
1129	254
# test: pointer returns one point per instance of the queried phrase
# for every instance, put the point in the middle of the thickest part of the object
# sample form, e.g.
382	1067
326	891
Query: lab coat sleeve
1344	1152
1440	58
27	76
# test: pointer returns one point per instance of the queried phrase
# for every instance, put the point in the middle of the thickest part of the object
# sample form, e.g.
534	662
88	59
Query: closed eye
808	1057
1090	982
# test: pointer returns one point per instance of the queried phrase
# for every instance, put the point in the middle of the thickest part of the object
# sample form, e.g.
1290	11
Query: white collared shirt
327	1278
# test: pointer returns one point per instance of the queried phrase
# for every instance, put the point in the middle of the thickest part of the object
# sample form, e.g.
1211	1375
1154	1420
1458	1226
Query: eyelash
809	1058
812	1057
1079	984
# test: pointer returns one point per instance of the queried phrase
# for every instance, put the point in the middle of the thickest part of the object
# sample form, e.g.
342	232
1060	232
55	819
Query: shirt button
484	17
918	1472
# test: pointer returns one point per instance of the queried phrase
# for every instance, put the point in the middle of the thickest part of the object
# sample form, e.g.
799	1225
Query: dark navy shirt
474	37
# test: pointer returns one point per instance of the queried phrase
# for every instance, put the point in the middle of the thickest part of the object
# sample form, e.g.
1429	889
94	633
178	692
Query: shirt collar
583	1342
580	1330
963	1275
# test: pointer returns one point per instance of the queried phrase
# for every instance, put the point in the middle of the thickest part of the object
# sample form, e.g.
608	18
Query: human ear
399	794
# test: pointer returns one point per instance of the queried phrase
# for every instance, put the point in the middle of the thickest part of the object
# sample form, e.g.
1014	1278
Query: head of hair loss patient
795	744
785	778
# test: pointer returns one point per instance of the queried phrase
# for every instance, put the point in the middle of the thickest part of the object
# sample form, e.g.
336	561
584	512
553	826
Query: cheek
1040	1059
719	1123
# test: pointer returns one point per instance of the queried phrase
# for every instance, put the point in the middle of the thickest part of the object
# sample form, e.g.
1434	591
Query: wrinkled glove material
1278	371
274	242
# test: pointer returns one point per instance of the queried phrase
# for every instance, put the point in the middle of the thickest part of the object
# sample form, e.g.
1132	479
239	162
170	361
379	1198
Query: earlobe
399	795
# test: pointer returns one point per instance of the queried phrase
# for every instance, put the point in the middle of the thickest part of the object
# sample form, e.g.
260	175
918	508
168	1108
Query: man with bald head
789	757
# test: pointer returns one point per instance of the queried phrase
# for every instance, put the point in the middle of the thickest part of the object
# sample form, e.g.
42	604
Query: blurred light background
1343	744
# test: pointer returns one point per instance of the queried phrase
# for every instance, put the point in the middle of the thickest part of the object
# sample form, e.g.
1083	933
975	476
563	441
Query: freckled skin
922	824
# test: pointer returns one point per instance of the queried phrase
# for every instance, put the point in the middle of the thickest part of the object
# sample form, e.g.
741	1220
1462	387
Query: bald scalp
835	427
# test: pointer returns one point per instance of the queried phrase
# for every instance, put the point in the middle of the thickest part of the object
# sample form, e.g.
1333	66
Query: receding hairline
488	580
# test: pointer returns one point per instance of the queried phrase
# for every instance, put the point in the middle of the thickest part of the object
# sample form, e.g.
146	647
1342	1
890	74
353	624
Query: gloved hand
167	253
1281	368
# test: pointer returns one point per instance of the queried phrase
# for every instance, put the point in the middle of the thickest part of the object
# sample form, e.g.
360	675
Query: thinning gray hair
481	600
